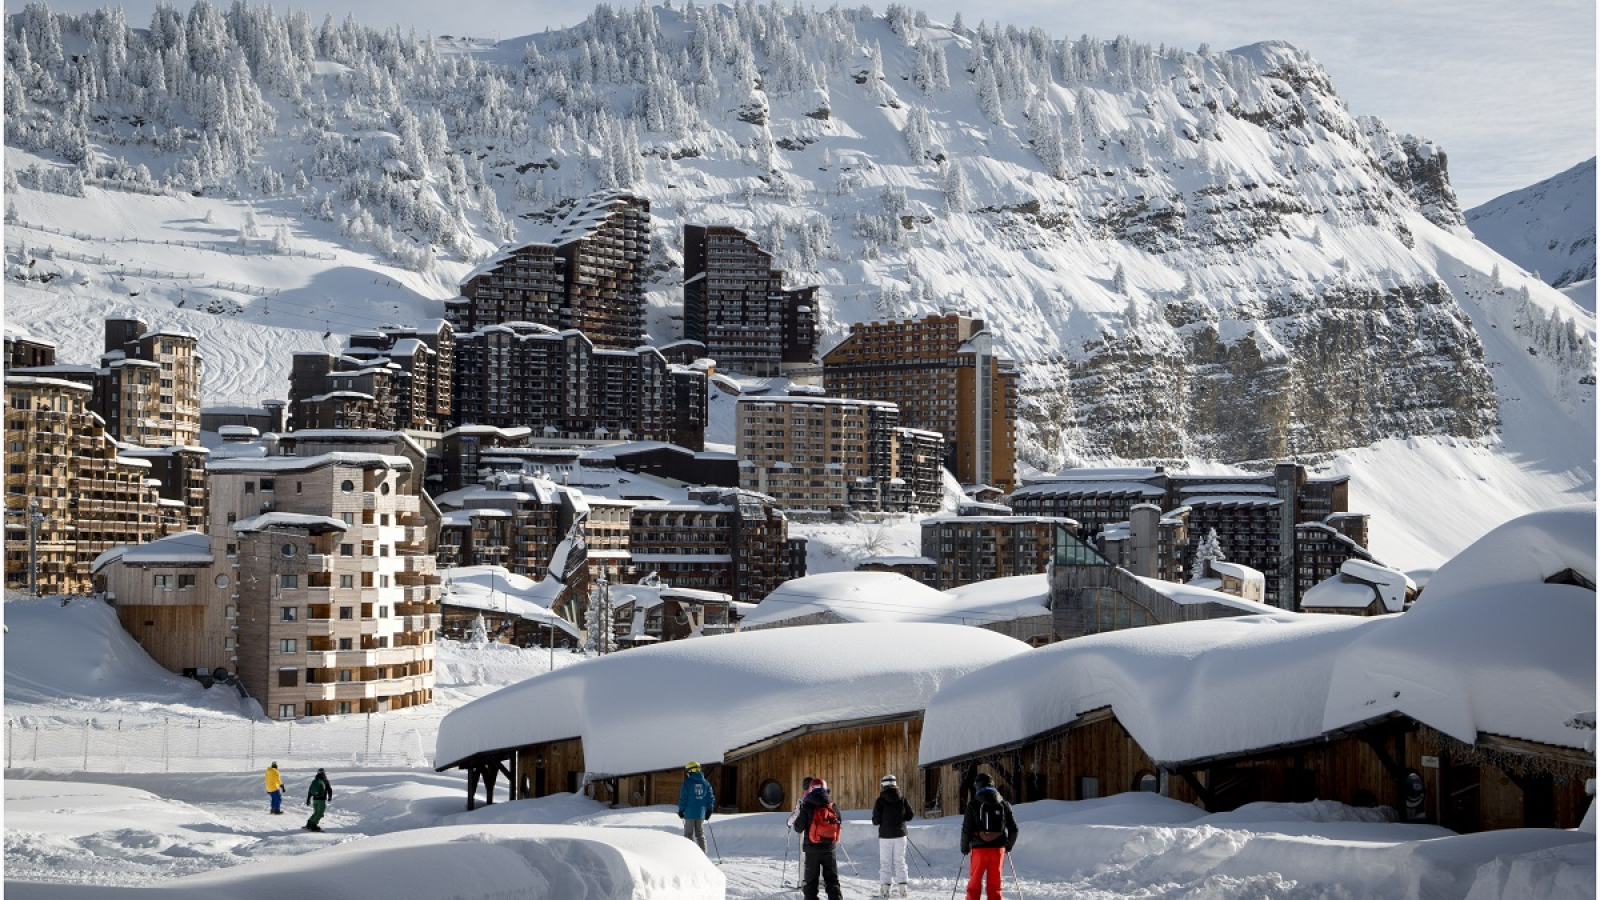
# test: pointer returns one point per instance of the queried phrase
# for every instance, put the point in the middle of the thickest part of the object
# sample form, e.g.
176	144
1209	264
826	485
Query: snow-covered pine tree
1209	550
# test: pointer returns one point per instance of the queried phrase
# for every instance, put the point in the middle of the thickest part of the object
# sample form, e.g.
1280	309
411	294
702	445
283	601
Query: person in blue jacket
695	803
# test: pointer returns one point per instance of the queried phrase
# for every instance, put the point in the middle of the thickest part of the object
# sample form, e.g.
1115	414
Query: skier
988	832
890	814
317	797
695	803
275	789
819	821
805	788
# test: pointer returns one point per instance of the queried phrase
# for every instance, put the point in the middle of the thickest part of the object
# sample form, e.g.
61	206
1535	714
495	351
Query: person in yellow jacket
275	789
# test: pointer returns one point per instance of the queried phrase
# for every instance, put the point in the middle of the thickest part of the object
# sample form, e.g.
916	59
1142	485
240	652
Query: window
346	643
347	486
233	550
228	642
288	581
383	581
347	582
383	488
347	549
347	612
185	581
383	672
297	487
344	708
232	517
289	549
288	677
345	675
227	611
1146	781
288	645
163	581
290	614
348	518
249	488
383	519
286	710
1088	787
383	612
383	549
222	581
268	484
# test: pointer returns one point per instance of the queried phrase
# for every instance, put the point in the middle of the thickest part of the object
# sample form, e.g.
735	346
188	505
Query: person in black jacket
988	832
821	826
317	797
890	814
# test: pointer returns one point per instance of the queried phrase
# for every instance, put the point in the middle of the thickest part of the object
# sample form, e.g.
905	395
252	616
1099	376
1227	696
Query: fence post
116	746
166	744
252	743
366	743
197	754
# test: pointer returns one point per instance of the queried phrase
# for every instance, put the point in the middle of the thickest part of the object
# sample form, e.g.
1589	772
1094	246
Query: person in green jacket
317	796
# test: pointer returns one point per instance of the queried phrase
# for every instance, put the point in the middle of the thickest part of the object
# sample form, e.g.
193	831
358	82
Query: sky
1508	90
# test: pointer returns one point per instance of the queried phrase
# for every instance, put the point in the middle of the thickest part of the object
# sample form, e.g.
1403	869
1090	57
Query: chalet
514	609
1361	589
652	611
758	710
1471	710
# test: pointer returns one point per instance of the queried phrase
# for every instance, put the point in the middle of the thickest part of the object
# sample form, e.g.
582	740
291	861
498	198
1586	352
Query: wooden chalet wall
850	759
1057	765
554	767
1494	784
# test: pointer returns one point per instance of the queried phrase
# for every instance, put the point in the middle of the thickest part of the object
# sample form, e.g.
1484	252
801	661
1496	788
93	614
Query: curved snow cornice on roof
1183	691
1524	551
654	707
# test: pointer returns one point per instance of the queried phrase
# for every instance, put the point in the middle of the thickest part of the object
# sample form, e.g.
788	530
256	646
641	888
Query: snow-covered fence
217	745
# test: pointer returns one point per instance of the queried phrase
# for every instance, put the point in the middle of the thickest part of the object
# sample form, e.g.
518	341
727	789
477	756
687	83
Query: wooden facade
1422	774
851	756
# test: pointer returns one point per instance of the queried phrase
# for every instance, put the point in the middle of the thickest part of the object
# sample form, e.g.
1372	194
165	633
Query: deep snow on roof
1497	651
657	706
186	548
892	597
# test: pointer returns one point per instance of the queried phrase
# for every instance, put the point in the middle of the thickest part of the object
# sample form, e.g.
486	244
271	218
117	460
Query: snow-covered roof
656	706
307	463
1359	583
186	548
1198	592
498	589
649	596
892	597
1510	656
1085	486
1233	500
265	521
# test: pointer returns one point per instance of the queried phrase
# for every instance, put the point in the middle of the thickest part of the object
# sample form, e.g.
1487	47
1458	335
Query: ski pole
1015	878
714	846
925	863
786	843
849	860
955	881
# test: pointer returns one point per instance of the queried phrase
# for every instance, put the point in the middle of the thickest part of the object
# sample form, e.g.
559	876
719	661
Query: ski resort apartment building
314	586
72	492
563	387
726	540
833	454
394	378
943	374
734	304
1295	529
587	274
146	386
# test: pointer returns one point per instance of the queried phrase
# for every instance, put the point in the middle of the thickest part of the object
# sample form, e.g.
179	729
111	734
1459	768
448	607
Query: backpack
319	788
824	825
991	825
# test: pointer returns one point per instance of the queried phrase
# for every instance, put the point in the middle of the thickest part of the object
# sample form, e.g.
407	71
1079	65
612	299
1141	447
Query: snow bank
457	862
656	707
1523	551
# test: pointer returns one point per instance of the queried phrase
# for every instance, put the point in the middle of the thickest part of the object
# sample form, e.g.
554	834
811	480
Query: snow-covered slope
1547	228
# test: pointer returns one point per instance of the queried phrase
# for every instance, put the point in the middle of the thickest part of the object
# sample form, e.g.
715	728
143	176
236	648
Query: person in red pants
988	832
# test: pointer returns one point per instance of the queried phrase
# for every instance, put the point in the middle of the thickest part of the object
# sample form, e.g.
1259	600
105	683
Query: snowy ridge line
958	618
208	745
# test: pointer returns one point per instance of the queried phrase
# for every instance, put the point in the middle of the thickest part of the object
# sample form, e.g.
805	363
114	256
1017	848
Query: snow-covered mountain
1547	228
1192	255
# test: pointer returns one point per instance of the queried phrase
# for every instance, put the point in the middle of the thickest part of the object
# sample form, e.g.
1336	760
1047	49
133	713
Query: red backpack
824	825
